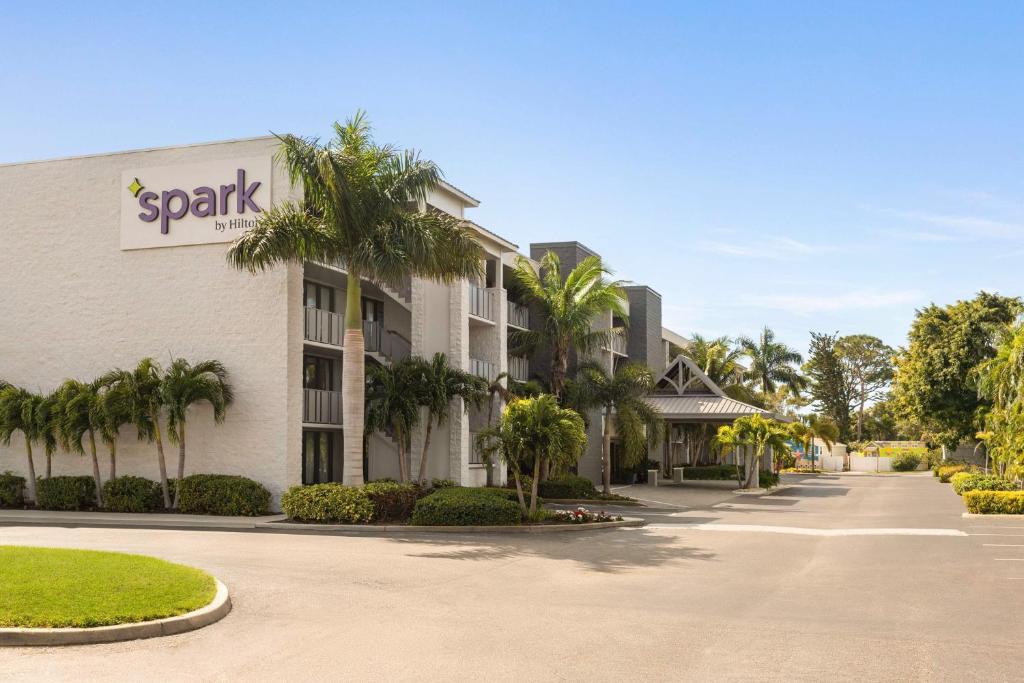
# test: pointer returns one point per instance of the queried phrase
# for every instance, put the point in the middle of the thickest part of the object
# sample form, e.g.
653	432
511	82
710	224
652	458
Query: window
318	458
373	310
318	373
319	296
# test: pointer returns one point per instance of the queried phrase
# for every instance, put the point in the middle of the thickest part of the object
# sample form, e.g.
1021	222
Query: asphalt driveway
836	578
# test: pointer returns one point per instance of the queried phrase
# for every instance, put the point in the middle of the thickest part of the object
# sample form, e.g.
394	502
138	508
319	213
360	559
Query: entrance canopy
684	393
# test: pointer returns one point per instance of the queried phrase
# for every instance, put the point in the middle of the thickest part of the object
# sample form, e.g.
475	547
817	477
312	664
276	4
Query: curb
595	503
204	616
997	515
405	528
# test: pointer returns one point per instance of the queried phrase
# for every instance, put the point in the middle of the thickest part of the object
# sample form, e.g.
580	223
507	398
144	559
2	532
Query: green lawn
56	588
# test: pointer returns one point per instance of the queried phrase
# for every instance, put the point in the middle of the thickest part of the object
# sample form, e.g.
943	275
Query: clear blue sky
809	166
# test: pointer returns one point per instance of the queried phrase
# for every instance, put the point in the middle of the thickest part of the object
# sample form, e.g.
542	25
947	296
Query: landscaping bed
61	588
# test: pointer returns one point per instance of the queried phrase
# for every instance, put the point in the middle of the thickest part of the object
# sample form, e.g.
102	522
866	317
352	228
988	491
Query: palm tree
815	428
758	433
622	398
81	417
504	388
720	361
441	384
730	438
531	432
48	417
393	404
143	397
359	207
183	386
569	310
114	413
771	363
18	413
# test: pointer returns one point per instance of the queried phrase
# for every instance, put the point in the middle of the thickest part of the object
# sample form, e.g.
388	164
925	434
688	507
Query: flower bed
581	515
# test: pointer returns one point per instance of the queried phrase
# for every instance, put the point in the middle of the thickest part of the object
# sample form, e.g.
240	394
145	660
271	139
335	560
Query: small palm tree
730	438
772	363
48	418
503	388
81	418
815	428
18	414
757	433
569	309
360	206
393	404
440	385
531	432
622	399
141	391
183	386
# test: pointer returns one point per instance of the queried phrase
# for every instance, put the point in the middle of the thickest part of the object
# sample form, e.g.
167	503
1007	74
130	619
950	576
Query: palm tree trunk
49	463
533	488
403	450
113	459
31	470
519	490
353	389
426	449
860	416
490	423
181	464
96	469
155	416
606	451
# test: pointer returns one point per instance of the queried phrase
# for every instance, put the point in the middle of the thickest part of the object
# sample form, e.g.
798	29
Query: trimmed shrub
567	486
223	494
711	472
995	502
458	506
330	503
12	490
392	502
905	461
66	493
767	480
946	471
132	494
441	483
963	482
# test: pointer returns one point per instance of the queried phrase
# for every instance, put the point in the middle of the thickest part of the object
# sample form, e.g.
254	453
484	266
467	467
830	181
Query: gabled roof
684	392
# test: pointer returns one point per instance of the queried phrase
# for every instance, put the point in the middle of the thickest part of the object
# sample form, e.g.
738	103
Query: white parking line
1014	535
1008	559
1003	545
804	531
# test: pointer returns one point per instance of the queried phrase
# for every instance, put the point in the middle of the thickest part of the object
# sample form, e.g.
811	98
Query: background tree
18	413
870	368
183	386
533	431
772	363
393	404
830	383
568	309
440	385
360	207
935	381
621	397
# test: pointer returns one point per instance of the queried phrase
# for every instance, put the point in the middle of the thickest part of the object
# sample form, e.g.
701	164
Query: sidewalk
128	519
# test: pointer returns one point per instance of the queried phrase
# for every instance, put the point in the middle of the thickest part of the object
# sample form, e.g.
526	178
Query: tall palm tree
568	308
183	386
533	431
441	384
360	207
143	397
18	414
393	404
622	399
81	418
772	363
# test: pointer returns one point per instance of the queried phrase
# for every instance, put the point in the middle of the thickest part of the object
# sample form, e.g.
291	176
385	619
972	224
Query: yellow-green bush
963	482
945	472
995	502
327	503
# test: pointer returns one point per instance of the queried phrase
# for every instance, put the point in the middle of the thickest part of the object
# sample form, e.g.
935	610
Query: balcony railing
519	368
483	368
481	302
388	343
617	344
321	407
518	315
323	327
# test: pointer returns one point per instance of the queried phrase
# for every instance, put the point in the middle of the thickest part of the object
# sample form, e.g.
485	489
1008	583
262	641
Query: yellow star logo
135	188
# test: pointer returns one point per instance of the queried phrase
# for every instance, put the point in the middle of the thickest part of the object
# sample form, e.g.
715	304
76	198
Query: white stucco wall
74	305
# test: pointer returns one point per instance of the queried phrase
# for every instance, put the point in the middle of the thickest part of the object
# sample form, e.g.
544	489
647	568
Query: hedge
905	462
66	493
567	486
945	472
12	490
995	502
223	494
330	503
711	472
392	501
963	482
467	507
132	494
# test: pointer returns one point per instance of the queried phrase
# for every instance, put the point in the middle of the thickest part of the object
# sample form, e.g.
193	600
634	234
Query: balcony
321	407
482	302
518	315
519	368
483	368
323	327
